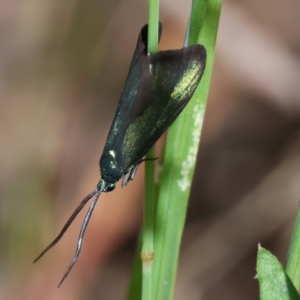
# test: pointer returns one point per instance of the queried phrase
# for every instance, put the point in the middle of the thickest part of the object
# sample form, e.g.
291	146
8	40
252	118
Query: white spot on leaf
188	164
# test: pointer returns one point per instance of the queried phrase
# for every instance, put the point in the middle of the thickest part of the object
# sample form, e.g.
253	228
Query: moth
157	88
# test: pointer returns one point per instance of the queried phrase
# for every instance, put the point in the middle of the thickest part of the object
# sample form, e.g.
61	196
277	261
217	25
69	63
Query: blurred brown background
62	68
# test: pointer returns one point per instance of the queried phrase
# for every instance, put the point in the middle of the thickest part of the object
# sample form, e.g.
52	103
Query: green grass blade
147	252
141	278
153	19
179	163
198	16
293	261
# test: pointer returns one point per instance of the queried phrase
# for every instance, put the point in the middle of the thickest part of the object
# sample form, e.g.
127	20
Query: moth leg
131	174
133	171
125	179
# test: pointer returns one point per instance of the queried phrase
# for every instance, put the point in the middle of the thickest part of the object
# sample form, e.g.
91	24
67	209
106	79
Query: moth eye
110	187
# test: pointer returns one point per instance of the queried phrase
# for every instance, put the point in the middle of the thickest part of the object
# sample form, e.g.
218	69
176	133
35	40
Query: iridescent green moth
157	89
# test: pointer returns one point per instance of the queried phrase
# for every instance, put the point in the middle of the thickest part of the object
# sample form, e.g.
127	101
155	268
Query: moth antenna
71	219
81	235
